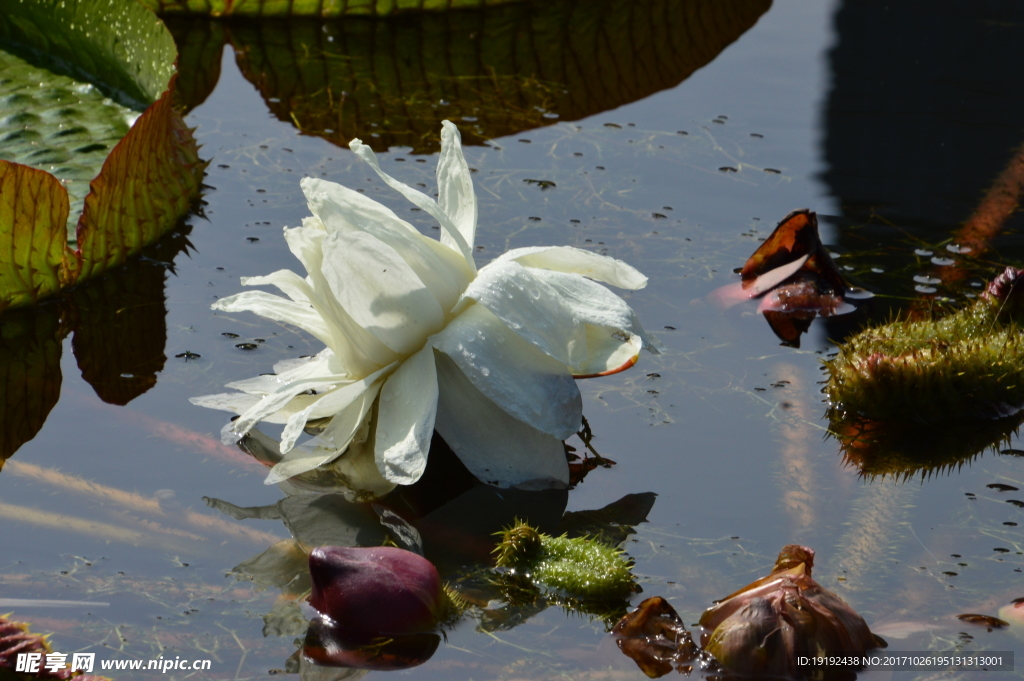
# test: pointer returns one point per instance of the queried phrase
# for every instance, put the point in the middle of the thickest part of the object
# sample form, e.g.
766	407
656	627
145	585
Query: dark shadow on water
924	109
923	144
496	71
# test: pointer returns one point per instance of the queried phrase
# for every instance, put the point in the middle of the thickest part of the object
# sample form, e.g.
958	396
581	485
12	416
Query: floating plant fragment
983	620
764	627
418	338
656	639
379	608
962	367
578	567
795	277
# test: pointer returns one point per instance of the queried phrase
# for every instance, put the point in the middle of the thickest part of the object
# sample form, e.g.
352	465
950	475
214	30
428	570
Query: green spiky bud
519	543
961	366
577	567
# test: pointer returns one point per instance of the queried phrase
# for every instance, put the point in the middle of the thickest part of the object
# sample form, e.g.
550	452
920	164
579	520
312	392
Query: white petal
304	367
421	200
608	351
233	402
578	261
455	193
357	469
530	385
278	399
495	447
405	418
329	405
380	291
531	308
588	301
344	425
277	309
360	351
440	268
591	303
292	363
291	284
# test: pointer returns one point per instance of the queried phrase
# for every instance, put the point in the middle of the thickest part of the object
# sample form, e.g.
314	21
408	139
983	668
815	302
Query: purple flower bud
375	591
379	608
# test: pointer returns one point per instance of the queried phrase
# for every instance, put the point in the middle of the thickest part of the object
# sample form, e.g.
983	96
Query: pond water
673	140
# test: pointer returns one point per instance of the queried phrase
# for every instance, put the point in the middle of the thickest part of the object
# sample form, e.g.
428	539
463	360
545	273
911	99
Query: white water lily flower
418	339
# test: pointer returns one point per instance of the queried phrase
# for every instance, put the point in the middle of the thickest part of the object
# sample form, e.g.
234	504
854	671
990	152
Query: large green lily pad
58	124
91	153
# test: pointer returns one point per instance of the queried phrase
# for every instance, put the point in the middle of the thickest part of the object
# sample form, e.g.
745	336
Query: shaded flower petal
359	350
291	284
578	261
405	418
592	303
233	402
306	458
277	309
496	448
609	351
334	402
532	308
442	270
276	400
307	367
420	199
239	402
530	385
455	193
381	292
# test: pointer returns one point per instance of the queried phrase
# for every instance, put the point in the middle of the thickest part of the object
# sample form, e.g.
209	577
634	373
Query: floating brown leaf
656	639
983	620
795	277
762	629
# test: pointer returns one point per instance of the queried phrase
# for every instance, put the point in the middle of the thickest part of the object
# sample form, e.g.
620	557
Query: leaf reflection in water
119	327
498	70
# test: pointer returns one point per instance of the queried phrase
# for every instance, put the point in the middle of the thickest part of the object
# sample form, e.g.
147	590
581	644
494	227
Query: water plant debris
964	366
577	567
794	276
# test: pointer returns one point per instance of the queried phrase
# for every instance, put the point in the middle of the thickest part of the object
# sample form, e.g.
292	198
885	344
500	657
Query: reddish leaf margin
147	183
